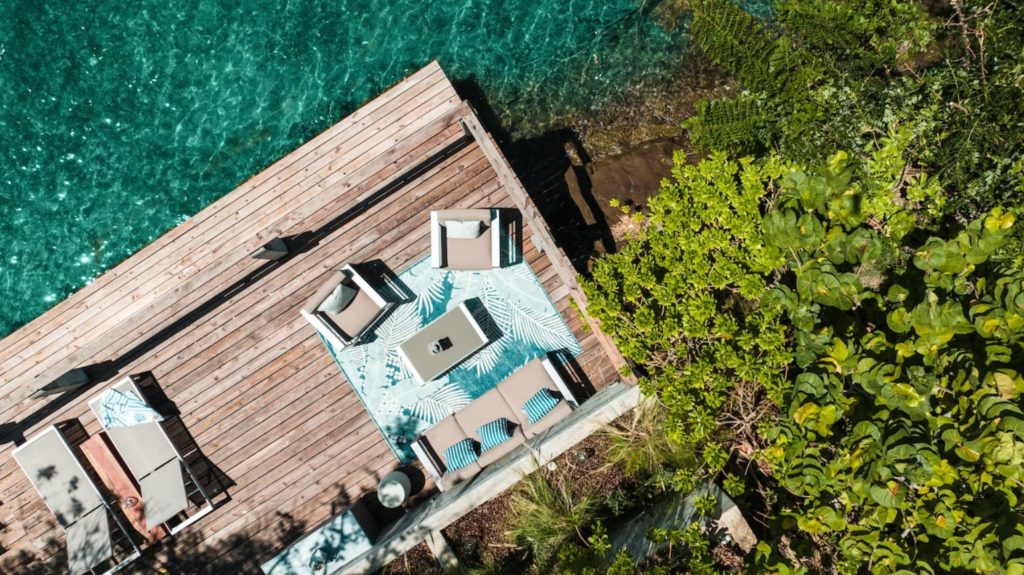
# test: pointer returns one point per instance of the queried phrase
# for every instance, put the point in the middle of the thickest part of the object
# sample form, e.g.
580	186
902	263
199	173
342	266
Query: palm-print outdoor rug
509	303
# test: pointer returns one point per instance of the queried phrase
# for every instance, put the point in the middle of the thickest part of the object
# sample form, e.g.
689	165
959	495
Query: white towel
125	410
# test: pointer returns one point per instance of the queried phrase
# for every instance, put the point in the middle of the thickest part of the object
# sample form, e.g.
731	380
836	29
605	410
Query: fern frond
739	125
734	40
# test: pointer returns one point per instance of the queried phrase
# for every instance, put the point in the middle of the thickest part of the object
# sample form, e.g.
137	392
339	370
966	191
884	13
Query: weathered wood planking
252	383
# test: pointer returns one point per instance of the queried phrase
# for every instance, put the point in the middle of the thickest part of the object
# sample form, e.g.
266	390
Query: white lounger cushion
163	493
88	541
64	485
152	460
143	447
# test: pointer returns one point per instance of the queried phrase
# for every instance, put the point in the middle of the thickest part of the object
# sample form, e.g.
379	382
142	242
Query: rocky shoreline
620	151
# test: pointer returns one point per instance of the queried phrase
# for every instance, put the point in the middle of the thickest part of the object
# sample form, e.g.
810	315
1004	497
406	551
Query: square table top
457	325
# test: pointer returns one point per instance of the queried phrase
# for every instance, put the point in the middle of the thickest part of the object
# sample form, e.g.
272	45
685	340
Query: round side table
393	490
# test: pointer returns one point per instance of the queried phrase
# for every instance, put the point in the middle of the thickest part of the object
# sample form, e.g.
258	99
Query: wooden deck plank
430	76
198	269
252	383
208	360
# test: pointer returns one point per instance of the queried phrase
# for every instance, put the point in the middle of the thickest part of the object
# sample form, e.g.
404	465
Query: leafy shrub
904	441
681	299
894	357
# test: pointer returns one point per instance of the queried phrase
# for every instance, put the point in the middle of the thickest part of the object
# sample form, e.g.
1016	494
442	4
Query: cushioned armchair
465	239
345	308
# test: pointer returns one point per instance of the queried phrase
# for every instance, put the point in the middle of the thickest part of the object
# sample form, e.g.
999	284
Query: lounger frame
106	505
207	507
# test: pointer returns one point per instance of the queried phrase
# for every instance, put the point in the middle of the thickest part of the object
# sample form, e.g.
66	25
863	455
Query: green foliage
894	357
695	540
487	565
641	448
826	75
681	299
860	35
741	123
622	565
546	513
734	39
904	440
774	73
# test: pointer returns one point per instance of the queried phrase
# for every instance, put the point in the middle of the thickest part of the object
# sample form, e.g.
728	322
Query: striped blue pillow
539	405
460	454
493	434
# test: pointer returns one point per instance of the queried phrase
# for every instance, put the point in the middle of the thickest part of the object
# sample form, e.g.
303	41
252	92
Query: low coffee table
461	336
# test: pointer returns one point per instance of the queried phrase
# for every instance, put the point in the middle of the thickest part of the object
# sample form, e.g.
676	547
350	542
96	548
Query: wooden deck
221	333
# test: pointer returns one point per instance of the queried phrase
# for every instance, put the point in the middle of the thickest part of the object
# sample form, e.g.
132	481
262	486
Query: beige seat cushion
441	436
468	254
451	478
356	317
483	410
557	413
519	387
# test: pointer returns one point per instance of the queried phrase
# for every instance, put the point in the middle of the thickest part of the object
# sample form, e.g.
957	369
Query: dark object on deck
276	249
70	380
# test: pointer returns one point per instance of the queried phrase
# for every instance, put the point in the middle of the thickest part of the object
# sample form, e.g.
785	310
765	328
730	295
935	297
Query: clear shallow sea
120	120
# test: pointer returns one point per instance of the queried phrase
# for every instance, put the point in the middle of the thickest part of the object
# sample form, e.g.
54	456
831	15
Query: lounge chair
457	244
69	492
157	466
506	400
345	325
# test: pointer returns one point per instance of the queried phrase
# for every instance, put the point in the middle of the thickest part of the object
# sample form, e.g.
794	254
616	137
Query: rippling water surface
120	120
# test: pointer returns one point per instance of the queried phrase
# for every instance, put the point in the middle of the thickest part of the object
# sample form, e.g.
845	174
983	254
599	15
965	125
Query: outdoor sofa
345	308
159	469
465	239
71	495
506	400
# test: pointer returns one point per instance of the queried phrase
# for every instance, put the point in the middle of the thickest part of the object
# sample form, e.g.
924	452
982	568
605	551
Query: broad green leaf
889	495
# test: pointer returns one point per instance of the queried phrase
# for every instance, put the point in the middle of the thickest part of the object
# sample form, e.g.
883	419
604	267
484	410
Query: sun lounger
156	465
506	400
346	327
70	494
479	249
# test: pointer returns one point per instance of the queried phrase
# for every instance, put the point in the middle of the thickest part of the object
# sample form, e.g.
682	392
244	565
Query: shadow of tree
189	552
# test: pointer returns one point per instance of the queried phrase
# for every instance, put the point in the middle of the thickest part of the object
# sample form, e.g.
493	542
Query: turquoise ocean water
120	120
